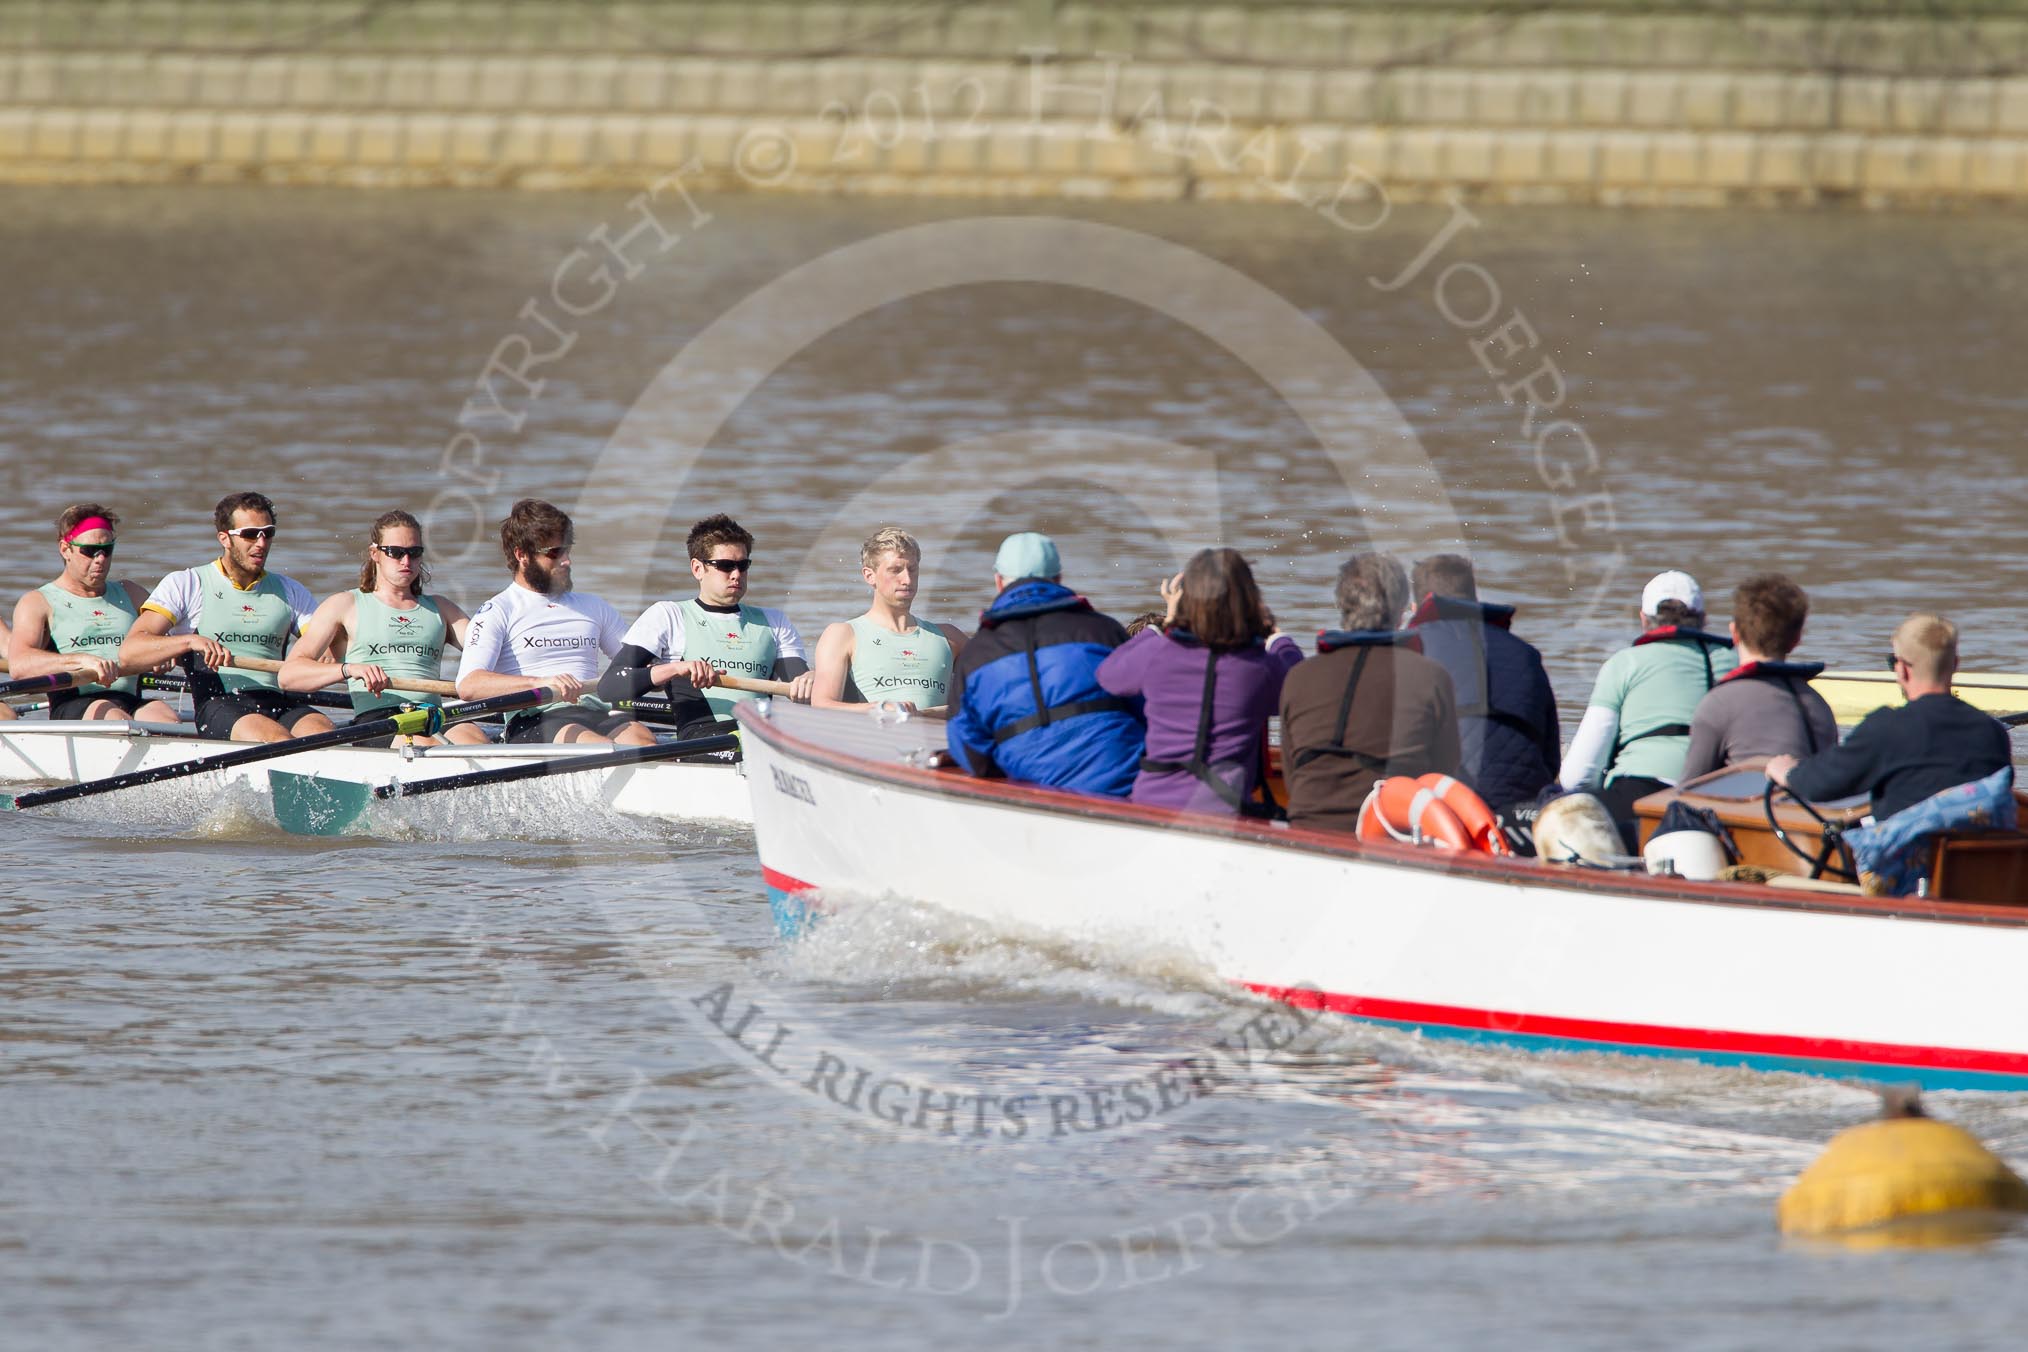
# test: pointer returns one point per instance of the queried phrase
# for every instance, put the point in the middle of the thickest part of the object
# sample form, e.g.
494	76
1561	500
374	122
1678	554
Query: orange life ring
1479	820
1405	809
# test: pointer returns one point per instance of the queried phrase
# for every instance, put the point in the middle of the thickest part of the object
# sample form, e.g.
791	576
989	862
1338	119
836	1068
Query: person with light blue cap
1026	702
1027	553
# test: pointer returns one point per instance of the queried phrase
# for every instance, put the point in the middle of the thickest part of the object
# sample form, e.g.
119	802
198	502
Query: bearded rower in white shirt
538	632
684	646
231	605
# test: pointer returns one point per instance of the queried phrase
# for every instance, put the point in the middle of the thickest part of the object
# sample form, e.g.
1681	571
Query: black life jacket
1365	640
1199	765
1792	677
1045	712
1674	633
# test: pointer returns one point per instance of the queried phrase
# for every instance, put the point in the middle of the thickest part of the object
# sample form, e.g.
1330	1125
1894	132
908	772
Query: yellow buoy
1894	1169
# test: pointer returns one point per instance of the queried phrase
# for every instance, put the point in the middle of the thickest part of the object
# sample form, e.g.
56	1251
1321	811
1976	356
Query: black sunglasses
730	565
94	551
1893	660
254	532
399	552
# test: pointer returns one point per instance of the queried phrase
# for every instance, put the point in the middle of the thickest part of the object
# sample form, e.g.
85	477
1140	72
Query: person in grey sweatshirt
1765	706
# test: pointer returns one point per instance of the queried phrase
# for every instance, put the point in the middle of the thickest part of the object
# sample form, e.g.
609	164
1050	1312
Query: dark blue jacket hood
1030	596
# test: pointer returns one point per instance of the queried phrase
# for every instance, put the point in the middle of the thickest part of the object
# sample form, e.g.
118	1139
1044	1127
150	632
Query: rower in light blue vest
887	655
77	623
686	646
384	633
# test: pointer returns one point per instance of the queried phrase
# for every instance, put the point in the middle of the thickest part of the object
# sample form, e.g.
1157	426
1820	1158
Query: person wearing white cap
1636	728
887	655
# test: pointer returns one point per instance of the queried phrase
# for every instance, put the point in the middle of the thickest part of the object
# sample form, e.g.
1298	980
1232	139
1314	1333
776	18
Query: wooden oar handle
428	687
418	684
754	684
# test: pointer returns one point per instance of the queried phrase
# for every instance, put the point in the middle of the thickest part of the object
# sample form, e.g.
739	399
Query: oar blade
313	805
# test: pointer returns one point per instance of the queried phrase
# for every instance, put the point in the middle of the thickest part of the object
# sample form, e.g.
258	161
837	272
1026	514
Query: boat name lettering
793	785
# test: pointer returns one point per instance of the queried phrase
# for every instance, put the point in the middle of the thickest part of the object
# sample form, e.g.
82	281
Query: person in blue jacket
1025	695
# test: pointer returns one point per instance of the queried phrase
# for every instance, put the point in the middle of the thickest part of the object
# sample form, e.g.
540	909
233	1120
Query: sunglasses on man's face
94	551
400	552
251	533
1893	661
554	553
730	566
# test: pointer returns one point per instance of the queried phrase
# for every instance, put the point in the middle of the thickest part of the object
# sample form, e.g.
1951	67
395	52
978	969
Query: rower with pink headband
76	624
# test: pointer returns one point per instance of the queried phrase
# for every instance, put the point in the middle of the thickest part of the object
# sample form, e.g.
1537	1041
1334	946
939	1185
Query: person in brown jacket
1367	706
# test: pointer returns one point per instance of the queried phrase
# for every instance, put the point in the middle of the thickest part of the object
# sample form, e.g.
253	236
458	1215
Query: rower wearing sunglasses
684	645
78	622
538	632
385	631
202	616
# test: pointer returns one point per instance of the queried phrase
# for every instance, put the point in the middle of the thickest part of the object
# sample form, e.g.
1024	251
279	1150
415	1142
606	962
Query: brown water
453	1089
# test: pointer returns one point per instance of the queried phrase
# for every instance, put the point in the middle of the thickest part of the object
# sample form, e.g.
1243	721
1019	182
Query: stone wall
1891	103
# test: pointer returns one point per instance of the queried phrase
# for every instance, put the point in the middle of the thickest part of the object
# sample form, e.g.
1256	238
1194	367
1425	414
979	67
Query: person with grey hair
1366	707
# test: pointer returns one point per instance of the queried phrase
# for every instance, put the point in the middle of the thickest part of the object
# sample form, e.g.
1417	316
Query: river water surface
458	1085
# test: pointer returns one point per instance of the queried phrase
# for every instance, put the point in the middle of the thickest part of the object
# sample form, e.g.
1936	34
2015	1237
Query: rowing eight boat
73	752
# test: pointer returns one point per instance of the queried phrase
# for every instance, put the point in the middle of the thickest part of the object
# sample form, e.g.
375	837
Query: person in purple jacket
1211	675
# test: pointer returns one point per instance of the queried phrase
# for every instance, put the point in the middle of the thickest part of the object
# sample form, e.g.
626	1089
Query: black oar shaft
355	732
171	685
695	746
27	685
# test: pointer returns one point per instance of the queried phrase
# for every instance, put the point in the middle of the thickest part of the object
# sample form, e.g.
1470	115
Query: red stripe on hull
1650	1035
1552	1028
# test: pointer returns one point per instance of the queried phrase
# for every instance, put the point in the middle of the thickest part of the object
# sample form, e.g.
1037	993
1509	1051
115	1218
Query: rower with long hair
386	630
77	623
